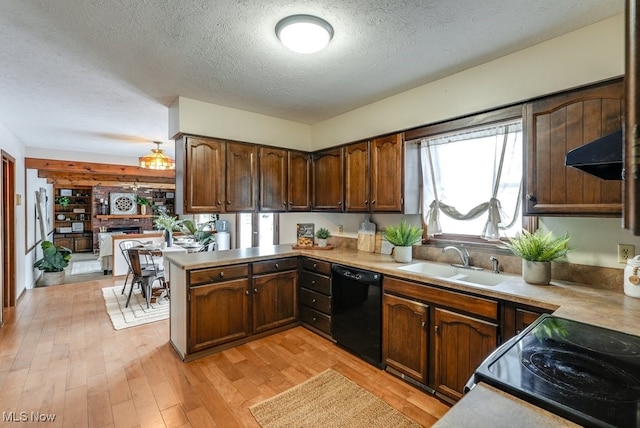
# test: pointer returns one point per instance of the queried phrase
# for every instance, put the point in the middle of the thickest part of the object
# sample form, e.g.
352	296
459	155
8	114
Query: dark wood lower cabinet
404	336
219	313
461	343
275	300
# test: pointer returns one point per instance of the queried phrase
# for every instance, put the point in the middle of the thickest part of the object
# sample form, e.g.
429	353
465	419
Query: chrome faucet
495	268
462	252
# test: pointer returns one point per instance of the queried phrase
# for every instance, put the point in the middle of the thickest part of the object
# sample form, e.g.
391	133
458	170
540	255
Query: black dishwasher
357	312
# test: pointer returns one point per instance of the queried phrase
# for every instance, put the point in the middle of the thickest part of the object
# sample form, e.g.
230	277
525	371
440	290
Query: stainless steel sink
455	274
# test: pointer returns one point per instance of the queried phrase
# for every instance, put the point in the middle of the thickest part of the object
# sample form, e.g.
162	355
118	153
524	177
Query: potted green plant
203	233
537	251
403	237
168	224
143	202
55	258
322	234
63	200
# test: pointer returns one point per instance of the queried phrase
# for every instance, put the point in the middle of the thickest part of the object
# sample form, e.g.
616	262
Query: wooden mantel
66	173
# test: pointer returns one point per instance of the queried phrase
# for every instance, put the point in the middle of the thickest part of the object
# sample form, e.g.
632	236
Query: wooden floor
60	355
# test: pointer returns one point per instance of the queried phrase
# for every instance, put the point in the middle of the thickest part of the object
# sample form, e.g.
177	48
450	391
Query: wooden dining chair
145	276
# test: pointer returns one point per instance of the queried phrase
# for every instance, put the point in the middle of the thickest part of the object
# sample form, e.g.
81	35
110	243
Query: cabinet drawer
315	300
218	274
316	266
462	302
276	265
317	319
315	282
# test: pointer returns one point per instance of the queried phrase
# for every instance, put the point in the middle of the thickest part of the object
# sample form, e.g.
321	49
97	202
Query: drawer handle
277	266
315	265
313	282
221	274
314	319
313	300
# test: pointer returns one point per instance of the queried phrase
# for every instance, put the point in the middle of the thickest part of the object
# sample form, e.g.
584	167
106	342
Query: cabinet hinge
188	297
401	201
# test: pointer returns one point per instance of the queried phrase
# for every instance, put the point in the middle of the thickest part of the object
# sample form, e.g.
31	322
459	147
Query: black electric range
584	373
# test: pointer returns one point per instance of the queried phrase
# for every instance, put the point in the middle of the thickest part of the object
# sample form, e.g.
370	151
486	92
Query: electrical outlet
625	251
340	228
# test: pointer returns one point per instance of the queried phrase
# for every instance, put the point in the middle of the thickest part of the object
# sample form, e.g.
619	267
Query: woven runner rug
328	400
137	312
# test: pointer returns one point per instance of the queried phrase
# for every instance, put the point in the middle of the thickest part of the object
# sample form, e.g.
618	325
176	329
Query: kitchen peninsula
239	268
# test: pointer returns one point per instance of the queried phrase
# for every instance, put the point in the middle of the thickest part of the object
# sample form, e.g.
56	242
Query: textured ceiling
98	75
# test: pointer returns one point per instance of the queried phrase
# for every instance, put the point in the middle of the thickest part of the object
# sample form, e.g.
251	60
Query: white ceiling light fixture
304	33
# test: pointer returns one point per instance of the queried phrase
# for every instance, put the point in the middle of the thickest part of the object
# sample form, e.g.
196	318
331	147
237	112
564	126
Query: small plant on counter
538	247
323	233
403	235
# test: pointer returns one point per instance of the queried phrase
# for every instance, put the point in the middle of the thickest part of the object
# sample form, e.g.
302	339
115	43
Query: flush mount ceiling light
157	159
304	33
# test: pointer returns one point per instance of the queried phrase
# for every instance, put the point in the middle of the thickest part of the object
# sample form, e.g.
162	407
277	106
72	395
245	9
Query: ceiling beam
95	168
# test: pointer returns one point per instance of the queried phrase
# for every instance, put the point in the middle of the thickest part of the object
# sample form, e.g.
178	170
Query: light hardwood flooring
60	355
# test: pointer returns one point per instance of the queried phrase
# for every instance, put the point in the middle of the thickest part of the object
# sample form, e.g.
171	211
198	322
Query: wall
24	261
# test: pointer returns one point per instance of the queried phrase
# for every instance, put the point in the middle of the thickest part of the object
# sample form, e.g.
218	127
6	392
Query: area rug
328	400
137	313
85	266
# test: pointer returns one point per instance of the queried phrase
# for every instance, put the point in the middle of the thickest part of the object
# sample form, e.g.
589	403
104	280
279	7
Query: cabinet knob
531	197
315	265
255	291
373	202
277	265
246	292
284	203
314	319
228	202
339	203
436	328
423	323
313	300
221	274
219	202
313	282
290	203
366	201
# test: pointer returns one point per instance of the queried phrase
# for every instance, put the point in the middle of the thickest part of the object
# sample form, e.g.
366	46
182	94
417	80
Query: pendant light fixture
157	159
304	33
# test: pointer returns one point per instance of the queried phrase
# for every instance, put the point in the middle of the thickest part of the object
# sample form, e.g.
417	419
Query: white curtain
473	175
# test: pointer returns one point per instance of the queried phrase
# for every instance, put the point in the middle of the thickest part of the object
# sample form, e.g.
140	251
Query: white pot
538	273
322	242
52	278
403	254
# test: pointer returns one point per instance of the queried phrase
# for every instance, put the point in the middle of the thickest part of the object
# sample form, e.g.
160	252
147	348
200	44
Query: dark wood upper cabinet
356	177
556	124
632	118
202	172
273	179
242	177
299	181
386	194
328	192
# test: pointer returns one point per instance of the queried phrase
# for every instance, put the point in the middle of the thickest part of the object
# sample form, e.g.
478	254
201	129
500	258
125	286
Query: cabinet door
557	124
386	174
218	313
299	192
404	336
327	180
242	177
356	177
63	241
83	244
275	300
273	179
204	175
461	343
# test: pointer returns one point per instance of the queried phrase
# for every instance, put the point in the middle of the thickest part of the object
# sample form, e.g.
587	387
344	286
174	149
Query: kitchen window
472	181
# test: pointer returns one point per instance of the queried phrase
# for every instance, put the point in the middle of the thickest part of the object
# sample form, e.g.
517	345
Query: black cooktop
587	374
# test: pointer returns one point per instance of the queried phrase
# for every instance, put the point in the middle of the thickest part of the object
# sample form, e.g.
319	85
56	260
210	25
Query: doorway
7	232
257	229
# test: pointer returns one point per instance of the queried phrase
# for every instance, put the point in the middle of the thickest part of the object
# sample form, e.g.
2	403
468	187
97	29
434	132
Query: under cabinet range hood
602	157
